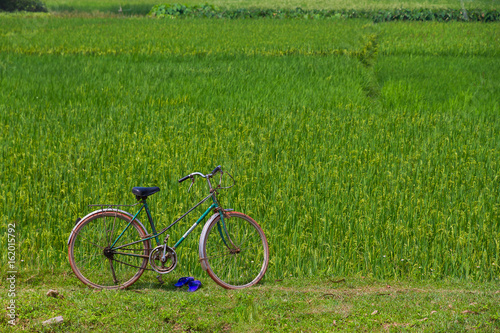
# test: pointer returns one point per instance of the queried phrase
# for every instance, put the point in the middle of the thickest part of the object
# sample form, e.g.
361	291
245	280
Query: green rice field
360	148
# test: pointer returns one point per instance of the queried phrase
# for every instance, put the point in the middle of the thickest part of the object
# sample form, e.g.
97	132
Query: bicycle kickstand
164	251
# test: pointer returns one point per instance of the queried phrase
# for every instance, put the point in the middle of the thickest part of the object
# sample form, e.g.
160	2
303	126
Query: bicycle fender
202	236
100	211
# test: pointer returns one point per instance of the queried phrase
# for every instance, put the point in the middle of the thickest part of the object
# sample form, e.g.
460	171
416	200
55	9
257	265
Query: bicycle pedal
160	279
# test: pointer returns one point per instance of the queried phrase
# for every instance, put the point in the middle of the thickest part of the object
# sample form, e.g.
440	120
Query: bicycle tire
98	269
239	266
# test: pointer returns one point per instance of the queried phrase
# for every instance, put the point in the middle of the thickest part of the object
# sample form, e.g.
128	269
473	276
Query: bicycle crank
163	259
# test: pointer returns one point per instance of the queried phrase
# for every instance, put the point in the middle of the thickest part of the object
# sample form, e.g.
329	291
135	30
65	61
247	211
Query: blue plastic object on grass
194	285
184	280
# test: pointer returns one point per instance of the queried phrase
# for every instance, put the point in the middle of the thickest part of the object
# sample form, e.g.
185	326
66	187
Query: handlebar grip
184	178
217	168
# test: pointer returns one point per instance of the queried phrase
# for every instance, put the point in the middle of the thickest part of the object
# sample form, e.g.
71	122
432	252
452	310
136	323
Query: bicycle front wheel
235	251
94	258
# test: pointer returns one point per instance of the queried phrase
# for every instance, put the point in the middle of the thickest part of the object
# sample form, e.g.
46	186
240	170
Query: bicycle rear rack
109	205
112	207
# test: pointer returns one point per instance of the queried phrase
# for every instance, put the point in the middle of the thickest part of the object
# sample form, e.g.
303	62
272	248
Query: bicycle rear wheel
235	253
92	259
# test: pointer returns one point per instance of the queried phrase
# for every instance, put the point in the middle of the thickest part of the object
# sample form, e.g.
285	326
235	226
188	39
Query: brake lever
192	182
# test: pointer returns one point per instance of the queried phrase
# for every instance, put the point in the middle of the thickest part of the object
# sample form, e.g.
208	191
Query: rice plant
387	167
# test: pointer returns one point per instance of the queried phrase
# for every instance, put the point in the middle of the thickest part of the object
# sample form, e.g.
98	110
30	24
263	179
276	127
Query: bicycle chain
146	269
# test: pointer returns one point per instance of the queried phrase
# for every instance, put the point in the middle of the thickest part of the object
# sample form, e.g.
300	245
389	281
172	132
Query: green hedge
22	5
178	10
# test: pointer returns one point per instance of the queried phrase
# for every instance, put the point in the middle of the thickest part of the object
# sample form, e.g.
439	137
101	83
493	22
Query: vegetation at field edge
142	7
174	11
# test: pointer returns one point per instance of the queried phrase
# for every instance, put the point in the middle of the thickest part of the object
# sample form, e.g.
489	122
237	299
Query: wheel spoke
102	248
112	270
112	232
226	254
81	262
218	256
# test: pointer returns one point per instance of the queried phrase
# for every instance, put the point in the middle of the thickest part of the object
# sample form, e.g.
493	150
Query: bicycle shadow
167	286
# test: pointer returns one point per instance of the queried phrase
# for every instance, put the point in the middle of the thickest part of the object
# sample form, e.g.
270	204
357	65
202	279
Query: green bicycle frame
155	234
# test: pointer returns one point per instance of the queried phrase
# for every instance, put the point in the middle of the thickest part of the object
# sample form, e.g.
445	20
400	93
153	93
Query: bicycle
109	248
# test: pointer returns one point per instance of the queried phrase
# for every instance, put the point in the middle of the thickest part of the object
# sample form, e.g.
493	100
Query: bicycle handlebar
184	178
208	176
217	169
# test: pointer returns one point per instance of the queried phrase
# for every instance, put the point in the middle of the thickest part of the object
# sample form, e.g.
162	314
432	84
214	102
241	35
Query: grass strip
357	303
